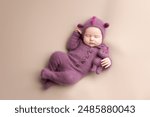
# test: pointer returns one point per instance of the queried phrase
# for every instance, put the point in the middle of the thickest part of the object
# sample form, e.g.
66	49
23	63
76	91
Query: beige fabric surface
31	30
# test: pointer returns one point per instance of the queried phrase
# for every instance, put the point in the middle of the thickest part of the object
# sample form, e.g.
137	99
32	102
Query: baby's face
92	36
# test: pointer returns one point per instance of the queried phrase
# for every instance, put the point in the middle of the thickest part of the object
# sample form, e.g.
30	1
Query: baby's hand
78	30
106	62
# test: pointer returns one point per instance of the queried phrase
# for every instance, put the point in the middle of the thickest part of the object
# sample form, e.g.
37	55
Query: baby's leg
58	61
67	77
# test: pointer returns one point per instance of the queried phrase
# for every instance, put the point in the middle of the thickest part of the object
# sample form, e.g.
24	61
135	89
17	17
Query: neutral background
31	30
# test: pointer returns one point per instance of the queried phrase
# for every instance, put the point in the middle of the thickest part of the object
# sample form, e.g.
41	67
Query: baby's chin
92	45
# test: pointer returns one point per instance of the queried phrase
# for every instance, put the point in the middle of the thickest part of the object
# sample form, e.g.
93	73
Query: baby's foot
48	84
45	73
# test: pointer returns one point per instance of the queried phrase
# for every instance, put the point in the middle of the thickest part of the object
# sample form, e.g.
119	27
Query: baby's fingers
104	63
107	66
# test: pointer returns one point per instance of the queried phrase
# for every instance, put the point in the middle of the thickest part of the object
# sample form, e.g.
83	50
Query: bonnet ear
80	26
106	25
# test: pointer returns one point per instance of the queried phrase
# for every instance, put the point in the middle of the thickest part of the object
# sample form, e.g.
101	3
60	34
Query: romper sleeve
74	41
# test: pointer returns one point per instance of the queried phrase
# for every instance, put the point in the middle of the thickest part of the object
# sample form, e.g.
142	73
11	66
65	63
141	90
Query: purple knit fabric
94	22
68	68
101	54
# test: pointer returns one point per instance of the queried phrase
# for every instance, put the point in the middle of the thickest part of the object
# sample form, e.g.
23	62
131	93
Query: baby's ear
106	25
80	26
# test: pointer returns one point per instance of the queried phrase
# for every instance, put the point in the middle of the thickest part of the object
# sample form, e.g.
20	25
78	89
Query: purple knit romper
68	68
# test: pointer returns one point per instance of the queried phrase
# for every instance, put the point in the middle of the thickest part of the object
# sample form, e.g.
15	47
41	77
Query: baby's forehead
93	30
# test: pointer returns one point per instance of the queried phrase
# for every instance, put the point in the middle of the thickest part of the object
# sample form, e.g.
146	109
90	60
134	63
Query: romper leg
67	77
59	71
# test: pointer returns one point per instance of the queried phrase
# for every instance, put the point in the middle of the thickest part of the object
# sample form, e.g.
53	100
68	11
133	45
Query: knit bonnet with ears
94	22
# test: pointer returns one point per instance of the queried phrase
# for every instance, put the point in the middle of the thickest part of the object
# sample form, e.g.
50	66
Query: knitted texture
94	22
68	68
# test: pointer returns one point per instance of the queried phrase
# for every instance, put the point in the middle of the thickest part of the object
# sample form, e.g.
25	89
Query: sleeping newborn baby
86	53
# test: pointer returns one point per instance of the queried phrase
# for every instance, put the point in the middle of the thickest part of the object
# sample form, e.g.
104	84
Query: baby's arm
74	40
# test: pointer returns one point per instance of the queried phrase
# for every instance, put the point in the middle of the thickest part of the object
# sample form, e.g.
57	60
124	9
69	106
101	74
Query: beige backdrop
30	30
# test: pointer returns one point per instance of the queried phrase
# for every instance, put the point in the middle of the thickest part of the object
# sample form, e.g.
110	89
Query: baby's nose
91	38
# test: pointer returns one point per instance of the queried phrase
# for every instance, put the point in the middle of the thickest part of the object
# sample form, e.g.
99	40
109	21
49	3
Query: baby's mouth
92	43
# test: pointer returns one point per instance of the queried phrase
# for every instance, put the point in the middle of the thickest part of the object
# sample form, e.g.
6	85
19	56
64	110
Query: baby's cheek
86	40
98	41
